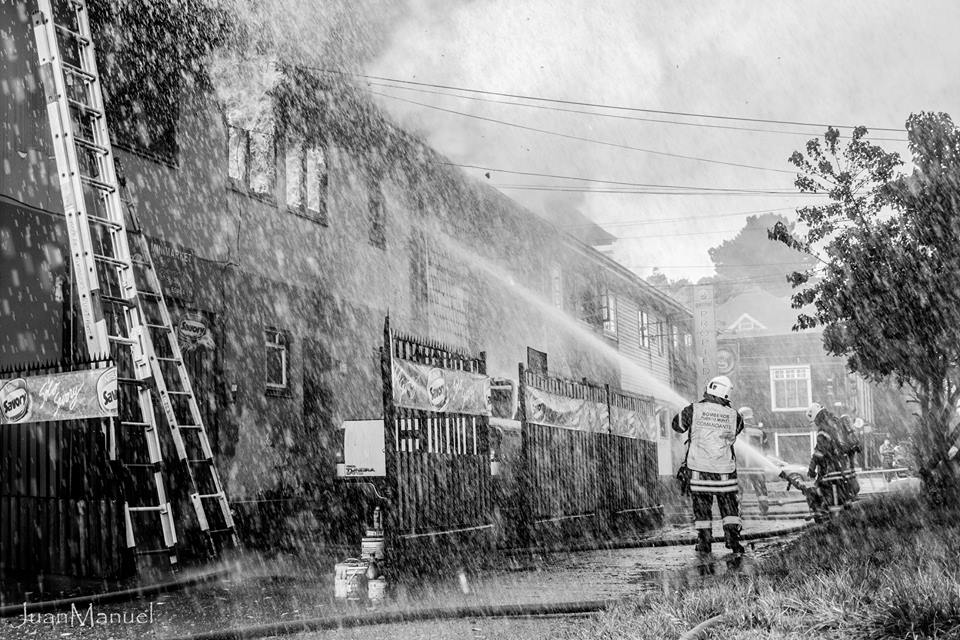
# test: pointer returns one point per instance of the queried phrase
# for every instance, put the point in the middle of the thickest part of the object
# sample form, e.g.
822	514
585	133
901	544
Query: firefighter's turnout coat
713	426
828	468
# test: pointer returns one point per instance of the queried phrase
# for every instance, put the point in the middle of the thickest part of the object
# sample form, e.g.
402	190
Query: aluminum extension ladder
122	304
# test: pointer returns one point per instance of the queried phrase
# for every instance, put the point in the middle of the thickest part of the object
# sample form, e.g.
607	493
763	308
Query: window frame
322	181
643	328
243	184
281	343
608	312
773	388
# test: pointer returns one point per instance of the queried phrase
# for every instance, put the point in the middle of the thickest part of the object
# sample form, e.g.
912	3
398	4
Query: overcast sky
844	63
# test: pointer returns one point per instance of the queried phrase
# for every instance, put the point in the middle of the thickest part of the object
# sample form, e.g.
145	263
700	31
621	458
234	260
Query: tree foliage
749	258
886	287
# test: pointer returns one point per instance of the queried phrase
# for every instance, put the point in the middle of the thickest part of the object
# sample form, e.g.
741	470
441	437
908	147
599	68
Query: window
378	232
556	286
277	361
659	338
238	151
608	310
306	173
790	388
263	169
644	322
251	161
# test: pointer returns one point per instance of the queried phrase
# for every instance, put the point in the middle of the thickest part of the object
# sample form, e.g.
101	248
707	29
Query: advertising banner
420	386
552	410
633	424
74	395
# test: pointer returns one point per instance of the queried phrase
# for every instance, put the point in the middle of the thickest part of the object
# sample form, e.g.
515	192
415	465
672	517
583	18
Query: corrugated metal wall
59	510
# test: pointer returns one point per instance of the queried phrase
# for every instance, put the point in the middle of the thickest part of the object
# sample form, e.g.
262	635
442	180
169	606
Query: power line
679	219
563	189
579	103
603	181
581	138
615	116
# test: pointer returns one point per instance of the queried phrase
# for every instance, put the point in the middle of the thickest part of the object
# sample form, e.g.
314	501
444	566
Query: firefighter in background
828	464
886	454
754	477
710	466
846	441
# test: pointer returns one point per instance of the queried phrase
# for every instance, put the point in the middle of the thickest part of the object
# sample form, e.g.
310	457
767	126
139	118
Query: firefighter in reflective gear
845	442
828	463
712	426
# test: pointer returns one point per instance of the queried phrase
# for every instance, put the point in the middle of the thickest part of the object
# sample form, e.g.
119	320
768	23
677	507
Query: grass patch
889	568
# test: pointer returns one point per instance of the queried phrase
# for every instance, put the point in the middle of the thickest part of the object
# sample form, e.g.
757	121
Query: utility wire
563	189
579	103
631	223
568	136
614	115
603	181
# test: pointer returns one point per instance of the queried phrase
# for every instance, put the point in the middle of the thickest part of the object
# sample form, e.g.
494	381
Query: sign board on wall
704	334
550	409
364	452
74	395
176	269
420	386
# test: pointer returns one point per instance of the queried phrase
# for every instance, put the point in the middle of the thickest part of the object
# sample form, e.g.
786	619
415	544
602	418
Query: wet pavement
285	590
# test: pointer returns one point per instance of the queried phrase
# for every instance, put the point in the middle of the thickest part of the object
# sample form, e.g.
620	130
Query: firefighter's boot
704	540
731	535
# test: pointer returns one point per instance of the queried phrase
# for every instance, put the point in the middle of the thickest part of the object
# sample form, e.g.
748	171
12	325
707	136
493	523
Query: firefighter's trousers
834	487
703	488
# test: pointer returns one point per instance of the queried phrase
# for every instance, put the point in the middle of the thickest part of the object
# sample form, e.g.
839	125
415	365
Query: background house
779	372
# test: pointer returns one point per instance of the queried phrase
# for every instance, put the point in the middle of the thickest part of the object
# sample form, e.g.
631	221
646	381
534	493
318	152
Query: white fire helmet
746	412
813	411
719	387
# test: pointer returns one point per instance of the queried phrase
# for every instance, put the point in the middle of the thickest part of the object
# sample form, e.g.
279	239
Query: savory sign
543	407
74	395
420	386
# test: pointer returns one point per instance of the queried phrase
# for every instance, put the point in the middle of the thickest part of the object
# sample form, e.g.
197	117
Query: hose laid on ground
393	617
646	543
115	596
697	632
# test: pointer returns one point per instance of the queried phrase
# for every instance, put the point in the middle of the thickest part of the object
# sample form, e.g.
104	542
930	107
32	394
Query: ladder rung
73	34
190	427
103	221
200	460
227	530
156	326
179	393
84	108
122	340
111	260
98	184
141	263
207	496
131	423
142	465
153	552
77	71
93	146
149	294
135	382
116	300
166	359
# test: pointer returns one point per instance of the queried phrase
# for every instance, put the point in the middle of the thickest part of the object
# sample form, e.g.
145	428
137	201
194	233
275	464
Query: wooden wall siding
442	460
628	328
60	511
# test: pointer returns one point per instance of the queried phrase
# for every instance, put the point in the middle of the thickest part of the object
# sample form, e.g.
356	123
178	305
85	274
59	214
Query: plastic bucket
376	590
350	580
